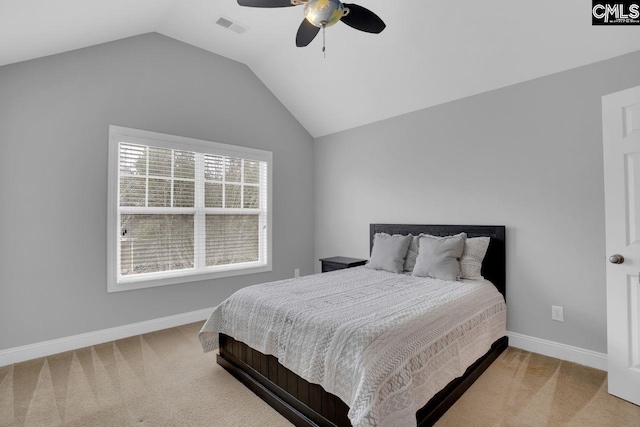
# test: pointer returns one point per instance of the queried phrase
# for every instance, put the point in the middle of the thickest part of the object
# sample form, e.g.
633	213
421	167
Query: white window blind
185	214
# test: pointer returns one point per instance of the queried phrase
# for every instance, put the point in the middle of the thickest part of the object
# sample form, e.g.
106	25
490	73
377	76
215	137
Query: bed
297	394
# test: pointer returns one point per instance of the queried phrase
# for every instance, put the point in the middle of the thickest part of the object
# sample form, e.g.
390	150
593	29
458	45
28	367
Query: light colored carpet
157	379
527	389
164	379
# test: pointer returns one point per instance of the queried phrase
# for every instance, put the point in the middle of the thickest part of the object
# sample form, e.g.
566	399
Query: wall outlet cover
557	313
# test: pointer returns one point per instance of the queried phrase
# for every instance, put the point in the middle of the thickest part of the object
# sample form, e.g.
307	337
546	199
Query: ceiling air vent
231	25
224	22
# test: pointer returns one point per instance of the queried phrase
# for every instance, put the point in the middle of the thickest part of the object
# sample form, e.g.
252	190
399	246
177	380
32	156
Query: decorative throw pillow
471	260
388	252
439	257
412	254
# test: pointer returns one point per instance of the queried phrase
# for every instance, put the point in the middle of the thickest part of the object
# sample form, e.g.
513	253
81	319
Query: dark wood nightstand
340	262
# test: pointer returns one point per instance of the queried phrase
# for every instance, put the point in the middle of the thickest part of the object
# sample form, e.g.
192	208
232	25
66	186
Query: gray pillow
388	252
439	257
412	254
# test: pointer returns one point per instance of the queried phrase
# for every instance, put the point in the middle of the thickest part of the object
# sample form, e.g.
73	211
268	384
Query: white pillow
475	249
388	252
439	257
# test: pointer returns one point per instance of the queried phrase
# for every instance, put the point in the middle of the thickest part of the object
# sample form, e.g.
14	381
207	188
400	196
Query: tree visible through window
187	212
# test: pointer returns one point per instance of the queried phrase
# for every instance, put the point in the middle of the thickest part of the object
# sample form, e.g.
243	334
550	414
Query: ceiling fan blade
363	19
265	3
306	33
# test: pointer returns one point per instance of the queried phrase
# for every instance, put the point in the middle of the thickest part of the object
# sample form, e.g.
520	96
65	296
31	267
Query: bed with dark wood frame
306	404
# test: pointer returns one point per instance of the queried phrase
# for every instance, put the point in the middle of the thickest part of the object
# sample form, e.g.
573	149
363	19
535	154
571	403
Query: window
182	210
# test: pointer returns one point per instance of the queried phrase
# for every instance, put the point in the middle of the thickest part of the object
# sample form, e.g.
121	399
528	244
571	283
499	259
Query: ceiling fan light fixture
324	13
320	14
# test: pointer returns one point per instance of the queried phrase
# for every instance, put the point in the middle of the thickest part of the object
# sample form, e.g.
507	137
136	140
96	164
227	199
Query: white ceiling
430	53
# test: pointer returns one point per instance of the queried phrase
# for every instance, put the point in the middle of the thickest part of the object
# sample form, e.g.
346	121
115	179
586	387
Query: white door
621	132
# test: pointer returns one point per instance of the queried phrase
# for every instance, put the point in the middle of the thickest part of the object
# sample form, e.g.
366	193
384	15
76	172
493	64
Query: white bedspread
384	343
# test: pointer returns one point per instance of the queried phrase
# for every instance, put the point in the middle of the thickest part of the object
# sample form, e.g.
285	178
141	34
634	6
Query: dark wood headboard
493	266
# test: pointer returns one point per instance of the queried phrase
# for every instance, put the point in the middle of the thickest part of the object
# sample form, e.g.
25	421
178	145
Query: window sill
129	284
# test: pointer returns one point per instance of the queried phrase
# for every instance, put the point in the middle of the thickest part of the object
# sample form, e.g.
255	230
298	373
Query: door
621	140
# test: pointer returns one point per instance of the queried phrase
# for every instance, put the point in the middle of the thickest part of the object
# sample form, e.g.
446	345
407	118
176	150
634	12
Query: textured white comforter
384	343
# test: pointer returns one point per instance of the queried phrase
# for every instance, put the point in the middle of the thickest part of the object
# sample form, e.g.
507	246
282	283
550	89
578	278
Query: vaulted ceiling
430	53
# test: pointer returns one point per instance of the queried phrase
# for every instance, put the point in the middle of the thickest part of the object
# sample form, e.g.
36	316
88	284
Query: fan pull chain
324	48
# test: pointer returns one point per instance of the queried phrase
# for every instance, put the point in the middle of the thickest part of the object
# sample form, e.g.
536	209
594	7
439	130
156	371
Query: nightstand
340	262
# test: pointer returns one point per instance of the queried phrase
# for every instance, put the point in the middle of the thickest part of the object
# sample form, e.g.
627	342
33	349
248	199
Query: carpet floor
164	379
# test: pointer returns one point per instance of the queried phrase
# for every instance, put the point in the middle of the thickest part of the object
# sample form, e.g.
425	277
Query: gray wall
54	118
527	156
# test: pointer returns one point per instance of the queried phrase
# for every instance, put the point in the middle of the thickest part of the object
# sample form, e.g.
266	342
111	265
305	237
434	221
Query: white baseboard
558	350
47	348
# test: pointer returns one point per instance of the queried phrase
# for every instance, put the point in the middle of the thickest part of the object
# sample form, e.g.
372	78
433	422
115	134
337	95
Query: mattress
384	343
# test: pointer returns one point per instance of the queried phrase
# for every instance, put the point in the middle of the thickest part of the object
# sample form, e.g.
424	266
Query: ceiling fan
324	13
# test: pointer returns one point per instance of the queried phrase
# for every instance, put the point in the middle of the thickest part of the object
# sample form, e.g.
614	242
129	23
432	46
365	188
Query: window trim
119	134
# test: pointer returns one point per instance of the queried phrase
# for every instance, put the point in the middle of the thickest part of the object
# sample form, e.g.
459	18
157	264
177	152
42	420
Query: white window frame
119	134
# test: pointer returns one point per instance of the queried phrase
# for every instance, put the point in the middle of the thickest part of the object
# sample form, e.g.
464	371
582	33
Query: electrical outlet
557	313
296	273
